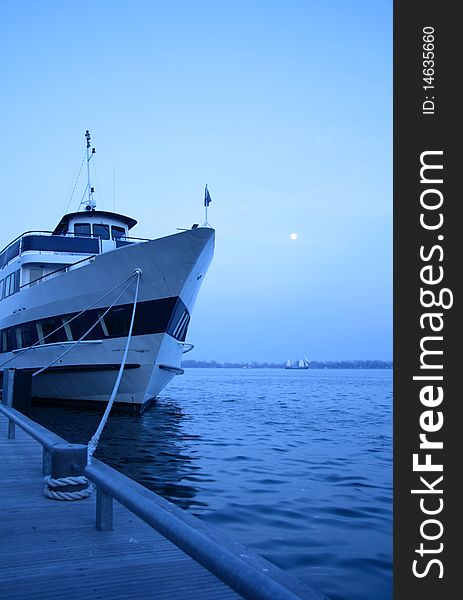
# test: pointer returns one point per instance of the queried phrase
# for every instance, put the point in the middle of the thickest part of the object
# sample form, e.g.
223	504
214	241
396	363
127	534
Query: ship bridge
78	237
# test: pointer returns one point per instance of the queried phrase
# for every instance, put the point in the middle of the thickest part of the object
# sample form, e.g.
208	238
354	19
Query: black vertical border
415	133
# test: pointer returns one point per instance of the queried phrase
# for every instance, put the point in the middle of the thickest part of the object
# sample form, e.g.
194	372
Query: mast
91	204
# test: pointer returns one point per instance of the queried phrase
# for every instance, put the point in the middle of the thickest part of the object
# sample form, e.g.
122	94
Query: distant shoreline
338	364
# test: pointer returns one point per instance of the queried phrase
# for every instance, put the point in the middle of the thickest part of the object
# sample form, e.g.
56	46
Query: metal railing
65	269
15	248
34	231
27	241
246	573
46	438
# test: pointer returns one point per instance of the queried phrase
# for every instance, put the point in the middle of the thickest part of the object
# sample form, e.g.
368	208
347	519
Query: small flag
207	197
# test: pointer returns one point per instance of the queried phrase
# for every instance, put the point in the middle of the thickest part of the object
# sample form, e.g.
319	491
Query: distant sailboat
303	363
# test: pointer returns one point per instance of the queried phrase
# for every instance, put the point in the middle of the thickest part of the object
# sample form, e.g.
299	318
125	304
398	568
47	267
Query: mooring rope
93	443
59	488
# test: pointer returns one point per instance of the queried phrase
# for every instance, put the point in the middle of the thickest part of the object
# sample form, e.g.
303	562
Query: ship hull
172	268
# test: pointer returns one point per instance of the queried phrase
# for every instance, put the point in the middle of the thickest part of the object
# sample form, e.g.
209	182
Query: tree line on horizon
314	364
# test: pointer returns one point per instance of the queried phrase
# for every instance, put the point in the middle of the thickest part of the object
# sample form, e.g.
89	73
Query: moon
293	236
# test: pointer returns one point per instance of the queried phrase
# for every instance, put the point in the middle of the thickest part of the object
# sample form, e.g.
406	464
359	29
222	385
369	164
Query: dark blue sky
283	108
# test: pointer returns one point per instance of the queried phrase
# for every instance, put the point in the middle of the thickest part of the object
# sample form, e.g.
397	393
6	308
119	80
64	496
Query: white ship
79	282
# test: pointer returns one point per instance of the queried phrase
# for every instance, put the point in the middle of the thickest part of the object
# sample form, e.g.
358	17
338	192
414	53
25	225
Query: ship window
81	324
117	232
166	315
179	322
11	284
7	286
180	331
35	273
29	334
101	231
82	229
117	321
19	343
15	283
49	325
38	325
11	339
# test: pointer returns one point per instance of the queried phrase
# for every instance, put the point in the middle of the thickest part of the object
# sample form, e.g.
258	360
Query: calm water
297	465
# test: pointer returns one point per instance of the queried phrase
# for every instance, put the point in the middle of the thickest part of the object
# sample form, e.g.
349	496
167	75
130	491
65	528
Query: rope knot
67	488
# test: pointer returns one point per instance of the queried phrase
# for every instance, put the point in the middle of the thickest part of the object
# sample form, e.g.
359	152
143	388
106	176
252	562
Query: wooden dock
52	549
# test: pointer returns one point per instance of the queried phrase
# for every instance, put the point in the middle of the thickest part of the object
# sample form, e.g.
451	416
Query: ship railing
46	241
125	240
136	239
65	269
80	263
30	241
246	573
69	243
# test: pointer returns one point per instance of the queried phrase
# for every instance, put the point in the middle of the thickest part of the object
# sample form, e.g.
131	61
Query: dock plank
51	549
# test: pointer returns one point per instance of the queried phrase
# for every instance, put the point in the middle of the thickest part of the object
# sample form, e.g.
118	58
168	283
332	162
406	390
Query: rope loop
61	488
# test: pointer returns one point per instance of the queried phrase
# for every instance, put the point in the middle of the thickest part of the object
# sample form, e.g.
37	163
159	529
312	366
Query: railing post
104	510
46	461
17	385
11	429
8	386
67	481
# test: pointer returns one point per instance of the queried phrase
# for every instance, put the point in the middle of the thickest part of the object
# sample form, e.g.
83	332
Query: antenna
91	204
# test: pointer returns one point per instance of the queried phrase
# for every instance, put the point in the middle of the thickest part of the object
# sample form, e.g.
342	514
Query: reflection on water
297	465
152	448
